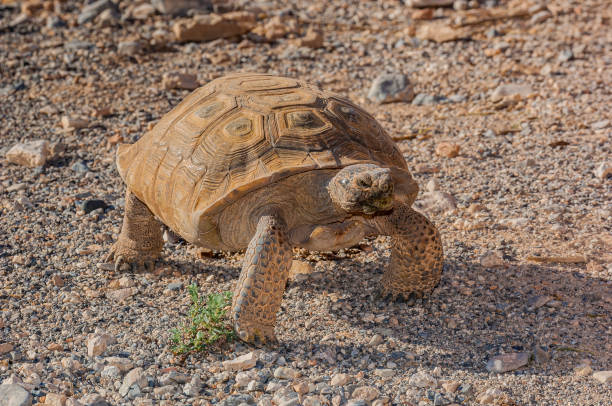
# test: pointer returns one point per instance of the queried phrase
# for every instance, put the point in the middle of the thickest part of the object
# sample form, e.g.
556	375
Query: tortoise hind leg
416	254
140	242
260	289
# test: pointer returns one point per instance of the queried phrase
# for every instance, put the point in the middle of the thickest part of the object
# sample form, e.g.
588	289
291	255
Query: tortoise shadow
476	311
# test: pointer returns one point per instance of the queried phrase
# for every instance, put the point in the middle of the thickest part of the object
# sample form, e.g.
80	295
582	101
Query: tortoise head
362	189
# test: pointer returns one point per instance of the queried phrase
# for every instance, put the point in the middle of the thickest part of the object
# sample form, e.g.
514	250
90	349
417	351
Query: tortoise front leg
140	242
260	289
416	254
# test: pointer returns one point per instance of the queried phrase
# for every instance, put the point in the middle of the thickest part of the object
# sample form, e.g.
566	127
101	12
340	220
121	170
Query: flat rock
143	11
508	362
6	348
340	379
603	376
14	395
32	154
129	48
492	259
506	90
213	26
367	393
92	10
391	87
441	32
243	362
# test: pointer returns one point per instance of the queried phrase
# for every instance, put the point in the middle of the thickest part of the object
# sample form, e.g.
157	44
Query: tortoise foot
256	334
128	259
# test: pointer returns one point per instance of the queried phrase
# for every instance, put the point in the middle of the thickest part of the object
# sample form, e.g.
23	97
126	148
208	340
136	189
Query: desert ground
507	128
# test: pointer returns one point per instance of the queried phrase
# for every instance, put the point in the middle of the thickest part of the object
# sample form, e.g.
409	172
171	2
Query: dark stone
90	205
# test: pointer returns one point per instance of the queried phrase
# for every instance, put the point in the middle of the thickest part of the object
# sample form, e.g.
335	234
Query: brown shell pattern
245	131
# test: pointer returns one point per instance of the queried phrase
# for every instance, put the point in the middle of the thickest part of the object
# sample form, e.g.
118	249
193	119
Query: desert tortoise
270	163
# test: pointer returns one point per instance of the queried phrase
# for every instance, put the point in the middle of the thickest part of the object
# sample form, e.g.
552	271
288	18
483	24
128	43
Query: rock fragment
180	81
367	393
143	11
97	343
6	348
135	377
14	395
213	26
340	379
422	380
391	87
312	39
31	154
178	7
492	259
244	362
506	90
447	149
129	48
71	123
508	362
91	11
603	376
286	373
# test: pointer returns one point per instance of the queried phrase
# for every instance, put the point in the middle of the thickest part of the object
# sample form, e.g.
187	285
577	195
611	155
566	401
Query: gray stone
422	99
134	377
237	400
565	55
14	395
175	286
286	397
179	7
92	10
129	48
80	167
391	87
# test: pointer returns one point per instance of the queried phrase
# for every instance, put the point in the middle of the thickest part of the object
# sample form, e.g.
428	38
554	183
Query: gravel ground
522	201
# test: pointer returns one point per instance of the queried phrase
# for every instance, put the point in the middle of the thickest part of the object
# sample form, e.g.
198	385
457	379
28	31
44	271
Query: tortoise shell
239	133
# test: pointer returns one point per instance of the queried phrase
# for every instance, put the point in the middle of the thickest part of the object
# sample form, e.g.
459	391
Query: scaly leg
416	254
140	242
260	289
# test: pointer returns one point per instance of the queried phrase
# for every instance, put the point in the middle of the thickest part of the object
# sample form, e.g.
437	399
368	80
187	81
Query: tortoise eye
344	182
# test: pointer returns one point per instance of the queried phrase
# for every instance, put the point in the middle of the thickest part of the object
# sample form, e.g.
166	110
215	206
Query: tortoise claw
410	298
121	264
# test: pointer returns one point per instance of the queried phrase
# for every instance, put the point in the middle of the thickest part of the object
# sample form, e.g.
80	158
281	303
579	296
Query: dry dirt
522	201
